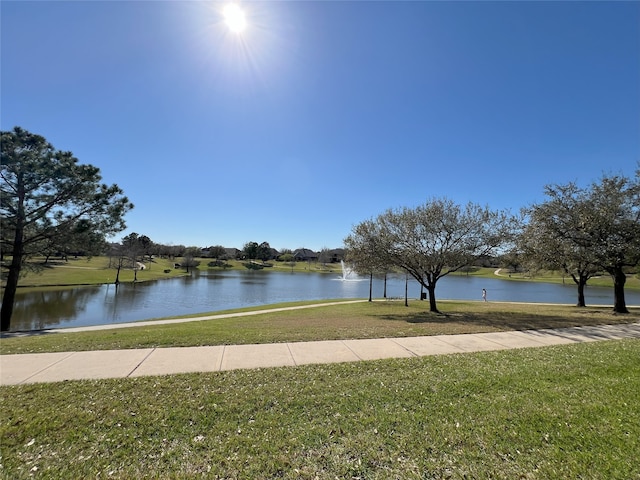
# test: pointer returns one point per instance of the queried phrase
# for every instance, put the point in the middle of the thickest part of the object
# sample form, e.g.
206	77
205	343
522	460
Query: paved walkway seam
219	367
408	350
352	350
34	374
142	361
293	358
490	338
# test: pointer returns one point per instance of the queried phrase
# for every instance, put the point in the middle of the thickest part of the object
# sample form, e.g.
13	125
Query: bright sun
234	18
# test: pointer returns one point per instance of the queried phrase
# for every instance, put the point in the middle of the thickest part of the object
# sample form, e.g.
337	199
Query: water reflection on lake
215	291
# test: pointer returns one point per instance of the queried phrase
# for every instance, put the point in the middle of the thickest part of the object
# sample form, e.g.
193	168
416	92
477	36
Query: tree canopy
554	237
612	228
431	240
586	230
48	198
367	252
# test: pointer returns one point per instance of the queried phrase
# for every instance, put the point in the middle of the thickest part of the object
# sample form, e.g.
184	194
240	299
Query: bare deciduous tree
583	230
554	237
435	239
367	251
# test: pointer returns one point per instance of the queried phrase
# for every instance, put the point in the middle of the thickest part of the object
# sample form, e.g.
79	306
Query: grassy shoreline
327	322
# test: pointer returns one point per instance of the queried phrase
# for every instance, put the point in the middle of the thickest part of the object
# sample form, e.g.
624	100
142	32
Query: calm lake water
215	291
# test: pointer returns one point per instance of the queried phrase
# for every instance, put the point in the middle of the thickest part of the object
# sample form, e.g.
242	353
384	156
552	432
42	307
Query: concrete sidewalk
56	367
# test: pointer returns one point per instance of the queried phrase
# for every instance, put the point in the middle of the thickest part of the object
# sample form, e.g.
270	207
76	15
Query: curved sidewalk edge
60	366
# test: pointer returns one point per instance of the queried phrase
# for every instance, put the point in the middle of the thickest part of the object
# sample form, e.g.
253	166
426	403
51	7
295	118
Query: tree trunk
118	272
581	281
385	285
619	279
406	290
431	288
17	252
581	301
371	287
9	296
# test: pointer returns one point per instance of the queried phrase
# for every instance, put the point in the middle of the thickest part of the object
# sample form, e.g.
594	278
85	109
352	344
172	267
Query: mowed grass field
546	413
343	320
91	271
563	412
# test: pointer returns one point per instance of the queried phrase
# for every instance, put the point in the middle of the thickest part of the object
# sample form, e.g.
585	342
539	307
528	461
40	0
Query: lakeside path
60	366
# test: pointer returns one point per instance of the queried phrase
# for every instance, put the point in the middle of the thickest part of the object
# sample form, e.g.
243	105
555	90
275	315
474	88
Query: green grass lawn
545	413
92	271
329	322
562	412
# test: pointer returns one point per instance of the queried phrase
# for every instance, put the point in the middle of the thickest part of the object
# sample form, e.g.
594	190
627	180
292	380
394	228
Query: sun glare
234	18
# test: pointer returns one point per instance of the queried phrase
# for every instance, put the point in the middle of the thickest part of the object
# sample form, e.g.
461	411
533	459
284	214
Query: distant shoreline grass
568	411
84	271
95	271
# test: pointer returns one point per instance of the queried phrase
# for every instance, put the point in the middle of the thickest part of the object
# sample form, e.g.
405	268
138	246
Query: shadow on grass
506	321
591	333
26	333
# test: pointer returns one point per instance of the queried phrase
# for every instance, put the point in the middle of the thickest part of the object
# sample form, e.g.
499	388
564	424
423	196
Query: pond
209	291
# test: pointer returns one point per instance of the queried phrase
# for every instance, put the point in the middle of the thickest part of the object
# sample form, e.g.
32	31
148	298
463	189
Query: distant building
233	253
336	255
305	255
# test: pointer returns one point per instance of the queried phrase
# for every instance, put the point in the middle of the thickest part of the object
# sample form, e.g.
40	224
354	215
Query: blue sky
323	114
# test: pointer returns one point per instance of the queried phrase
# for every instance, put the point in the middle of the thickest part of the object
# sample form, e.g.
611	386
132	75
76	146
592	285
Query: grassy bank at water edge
325	322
